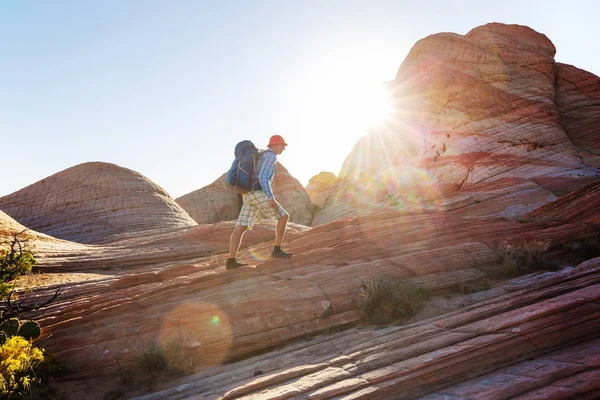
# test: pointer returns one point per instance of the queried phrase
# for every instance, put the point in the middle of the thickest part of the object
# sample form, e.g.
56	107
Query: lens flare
260	254
203	328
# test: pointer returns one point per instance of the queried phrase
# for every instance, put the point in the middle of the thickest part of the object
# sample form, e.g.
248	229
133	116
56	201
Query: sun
373	107
342	92
332	100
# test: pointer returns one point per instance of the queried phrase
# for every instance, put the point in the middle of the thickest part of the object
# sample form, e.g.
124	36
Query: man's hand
273	203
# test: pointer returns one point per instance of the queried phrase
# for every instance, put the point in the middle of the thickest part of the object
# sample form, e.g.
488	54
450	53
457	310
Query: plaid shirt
266	171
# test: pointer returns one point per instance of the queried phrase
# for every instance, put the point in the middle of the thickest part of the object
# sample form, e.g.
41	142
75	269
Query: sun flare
335	99
373	107
343	92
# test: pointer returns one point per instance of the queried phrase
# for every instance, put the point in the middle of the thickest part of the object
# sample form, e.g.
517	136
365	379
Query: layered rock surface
221	315
217	202
94	203
542	331
470	110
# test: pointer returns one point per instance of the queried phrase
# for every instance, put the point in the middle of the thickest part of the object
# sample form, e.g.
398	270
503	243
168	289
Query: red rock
94	203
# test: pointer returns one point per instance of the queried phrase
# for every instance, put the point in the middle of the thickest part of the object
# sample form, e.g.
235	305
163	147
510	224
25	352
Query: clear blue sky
167	88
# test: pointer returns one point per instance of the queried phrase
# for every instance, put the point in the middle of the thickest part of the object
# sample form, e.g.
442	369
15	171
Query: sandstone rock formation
488	107
9	226
578	101
278	301
94	203
213	203
579	206
321	187
217	202
538	339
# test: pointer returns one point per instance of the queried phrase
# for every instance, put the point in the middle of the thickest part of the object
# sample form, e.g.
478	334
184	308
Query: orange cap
276	139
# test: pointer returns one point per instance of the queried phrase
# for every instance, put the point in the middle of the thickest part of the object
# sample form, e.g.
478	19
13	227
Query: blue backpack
242	174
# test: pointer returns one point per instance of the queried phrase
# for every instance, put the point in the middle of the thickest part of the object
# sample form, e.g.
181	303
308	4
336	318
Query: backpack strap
255	183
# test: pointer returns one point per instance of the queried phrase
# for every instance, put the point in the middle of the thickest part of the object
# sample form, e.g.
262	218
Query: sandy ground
35	280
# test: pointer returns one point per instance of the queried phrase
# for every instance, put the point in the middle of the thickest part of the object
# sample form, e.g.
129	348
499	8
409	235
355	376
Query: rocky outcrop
9	226
536	338
213	203
321	187
579	206
470	110
217	202
578	101
95	203
277	301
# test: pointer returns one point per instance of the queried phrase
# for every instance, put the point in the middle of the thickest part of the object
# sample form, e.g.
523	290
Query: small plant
160	361
29	330
16	259
585	248
516	261
10	327
328	312
387	299
19	363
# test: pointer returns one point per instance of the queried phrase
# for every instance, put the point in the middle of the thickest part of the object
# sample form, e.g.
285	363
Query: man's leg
281	227
245	222
280	233
236	240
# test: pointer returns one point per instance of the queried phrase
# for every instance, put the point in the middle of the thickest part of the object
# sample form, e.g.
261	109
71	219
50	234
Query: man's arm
267	169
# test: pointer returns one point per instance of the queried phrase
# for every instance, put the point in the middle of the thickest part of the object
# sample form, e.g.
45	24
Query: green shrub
15	259
388	299
10	326
19	361
30	330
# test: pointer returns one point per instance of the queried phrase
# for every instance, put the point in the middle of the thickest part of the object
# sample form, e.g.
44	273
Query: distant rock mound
321	187
213	203
473	111
217	202
94	203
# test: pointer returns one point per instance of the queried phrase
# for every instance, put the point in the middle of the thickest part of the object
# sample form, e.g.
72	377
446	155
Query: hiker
261	200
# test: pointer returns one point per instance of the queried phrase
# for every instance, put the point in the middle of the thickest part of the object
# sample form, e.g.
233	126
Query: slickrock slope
578	101
95	203
222	315
153	249
9	226
488	107
579	206
536	337
217	202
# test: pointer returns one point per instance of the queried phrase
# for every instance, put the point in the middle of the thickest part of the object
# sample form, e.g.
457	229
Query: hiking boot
232	263
281	254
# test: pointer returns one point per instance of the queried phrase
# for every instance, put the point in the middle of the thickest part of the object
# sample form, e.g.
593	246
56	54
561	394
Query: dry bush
585	248
387	299
515	261
160	361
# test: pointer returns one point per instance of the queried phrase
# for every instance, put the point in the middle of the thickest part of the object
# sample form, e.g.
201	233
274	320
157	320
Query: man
261	200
